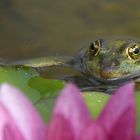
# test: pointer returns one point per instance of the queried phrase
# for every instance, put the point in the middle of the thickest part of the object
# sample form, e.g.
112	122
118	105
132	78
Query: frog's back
43	62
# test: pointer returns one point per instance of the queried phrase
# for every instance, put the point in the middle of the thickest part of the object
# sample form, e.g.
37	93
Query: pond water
34	28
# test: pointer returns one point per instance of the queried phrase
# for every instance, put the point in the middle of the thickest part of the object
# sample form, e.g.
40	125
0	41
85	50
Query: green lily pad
138	110
96	102
46	88
20	77
43	92
40	91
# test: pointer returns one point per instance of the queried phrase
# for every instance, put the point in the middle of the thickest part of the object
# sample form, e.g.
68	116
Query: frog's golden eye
133	52
94	48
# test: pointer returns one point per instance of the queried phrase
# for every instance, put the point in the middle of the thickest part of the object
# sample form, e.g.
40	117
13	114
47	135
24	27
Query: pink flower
71	119
18	118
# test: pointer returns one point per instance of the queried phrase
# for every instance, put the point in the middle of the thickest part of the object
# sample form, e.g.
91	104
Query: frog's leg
58	71
66	73
42	61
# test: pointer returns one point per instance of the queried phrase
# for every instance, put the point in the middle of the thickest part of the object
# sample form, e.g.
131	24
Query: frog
112	62
103	65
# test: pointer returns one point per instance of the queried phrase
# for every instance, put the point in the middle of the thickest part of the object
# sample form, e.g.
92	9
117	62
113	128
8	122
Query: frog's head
112	59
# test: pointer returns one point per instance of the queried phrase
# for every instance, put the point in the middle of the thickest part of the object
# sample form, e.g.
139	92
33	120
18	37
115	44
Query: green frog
103	65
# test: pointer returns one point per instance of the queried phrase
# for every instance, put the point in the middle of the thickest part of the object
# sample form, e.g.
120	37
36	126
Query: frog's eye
94	47
133	52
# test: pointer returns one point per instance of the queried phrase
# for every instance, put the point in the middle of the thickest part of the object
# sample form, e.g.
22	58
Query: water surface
34	28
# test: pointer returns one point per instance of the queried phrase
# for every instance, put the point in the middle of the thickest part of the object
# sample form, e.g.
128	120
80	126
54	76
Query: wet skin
112	59
103	65
111	62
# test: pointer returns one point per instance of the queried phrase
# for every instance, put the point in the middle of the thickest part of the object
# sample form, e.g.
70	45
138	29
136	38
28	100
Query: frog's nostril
115	63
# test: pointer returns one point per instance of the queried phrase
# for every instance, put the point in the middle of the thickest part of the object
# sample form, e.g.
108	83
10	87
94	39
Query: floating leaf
43	92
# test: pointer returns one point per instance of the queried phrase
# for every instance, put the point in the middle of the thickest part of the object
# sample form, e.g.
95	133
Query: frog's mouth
112	74
119	80
109	85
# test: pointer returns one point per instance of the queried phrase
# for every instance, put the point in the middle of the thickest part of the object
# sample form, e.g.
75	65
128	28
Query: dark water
33	28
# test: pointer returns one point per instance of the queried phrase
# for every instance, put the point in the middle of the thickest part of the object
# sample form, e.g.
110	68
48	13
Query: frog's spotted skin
107	64
112	60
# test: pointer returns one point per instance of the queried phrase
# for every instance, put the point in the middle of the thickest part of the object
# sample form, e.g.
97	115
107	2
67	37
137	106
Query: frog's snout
115	63
110	64
109	69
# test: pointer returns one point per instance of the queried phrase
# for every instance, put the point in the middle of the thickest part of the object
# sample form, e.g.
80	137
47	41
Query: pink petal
71	106
23	114
93	132
8	128
60	129
119	115
137	137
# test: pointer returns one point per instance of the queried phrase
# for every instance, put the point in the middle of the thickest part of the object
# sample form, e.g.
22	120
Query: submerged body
102	66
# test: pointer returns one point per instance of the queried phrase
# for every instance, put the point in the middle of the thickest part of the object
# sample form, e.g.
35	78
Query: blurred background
35	28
